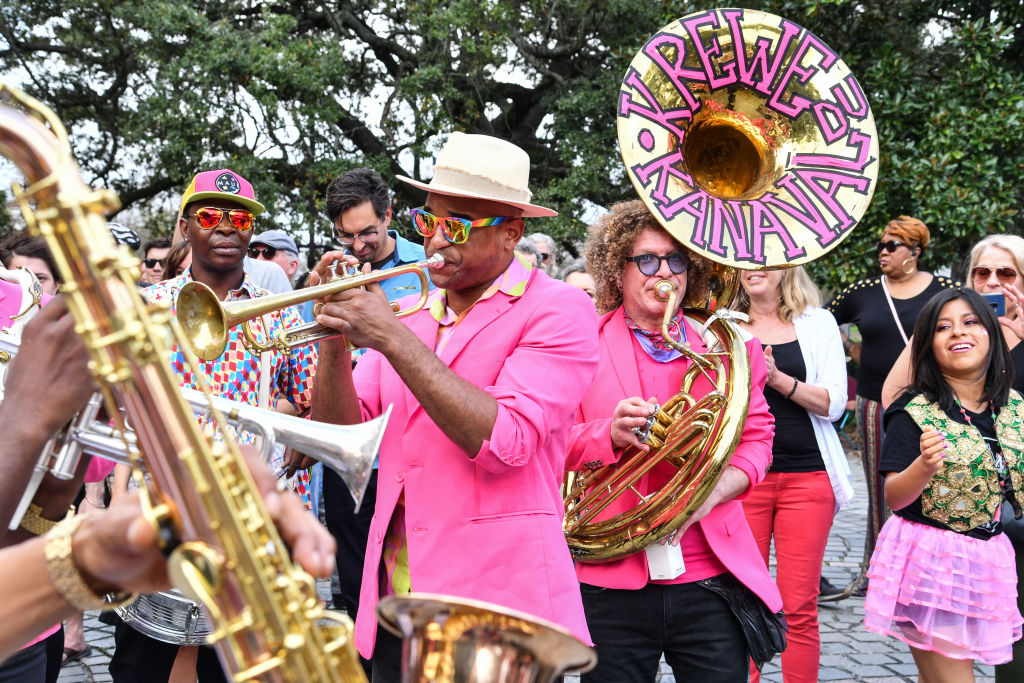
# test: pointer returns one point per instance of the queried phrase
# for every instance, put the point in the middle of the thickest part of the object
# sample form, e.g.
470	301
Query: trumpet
206	320
349	450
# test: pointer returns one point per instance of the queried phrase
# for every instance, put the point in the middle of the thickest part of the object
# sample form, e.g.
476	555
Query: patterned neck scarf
654	343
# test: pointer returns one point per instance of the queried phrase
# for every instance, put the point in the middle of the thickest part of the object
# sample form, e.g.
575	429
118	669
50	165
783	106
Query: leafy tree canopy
290	93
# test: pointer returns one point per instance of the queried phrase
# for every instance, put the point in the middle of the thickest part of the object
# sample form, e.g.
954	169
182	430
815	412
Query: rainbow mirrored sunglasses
455	230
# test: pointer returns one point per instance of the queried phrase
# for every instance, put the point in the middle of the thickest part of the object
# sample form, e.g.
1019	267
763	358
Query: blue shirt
396	287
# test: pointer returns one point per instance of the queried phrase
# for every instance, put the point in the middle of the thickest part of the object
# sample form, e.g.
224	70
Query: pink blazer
489	528
725	527
10	302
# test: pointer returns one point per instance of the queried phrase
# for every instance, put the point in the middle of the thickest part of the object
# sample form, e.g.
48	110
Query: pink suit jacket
725	526
487	528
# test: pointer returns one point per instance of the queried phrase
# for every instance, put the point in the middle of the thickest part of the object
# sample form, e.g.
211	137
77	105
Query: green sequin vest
965	493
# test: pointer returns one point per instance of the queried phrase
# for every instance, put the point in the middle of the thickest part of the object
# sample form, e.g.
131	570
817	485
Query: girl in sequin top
942	575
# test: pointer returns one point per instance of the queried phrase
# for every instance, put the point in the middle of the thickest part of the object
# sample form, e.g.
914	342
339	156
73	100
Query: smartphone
998	303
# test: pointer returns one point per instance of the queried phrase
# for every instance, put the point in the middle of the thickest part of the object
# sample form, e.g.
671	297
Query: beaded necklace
1005	484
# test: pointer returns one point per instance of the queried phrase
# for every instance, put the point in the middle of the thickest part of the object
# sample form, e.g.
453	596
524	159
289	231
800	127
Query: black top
1017	356
795	449
902	445
863	303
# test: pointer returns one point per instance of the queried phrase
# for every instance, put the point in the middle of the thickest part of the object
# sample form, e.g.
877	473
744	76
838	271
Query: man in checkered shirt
217	215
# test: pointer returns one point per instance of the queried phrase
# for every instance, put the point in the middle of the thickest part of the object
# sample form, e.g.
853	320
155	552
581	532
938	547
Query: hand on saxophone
365	317
118	548
631	413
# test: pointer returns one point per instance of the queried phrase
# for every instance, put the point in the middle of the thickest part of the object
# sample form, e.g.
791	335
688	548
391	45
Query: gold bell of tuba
753	145
456	640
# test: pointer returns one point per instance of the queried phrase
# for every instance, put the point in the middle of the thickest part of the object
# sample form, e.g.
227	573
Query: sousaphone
754	146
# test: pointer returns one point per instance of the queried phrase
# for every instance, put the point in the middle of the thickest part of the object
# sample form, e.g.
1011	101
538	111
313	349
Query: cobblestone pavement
849	653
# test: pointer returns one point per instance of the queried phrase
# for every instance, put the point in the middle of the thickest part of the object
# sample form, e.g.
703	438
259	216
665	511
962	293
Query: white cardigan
825	361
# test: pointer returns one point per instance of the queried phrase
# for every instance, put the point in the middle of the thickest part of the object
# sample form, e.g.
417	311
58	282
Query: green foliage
292	93
6	224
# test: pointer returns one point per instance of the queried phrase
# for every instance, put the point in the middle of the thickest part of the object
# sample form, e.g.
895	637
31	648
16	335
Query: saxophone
223	548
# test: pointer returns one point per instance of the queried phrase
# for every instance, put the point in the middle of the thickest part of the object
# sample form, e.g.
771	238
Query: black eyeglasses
649	264
368	236
267	252
1005	275
152	262
890	246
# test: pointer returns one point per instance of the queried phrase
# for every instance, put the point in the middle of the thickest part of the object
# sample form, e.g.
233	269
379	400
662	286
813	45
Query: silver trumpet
349	450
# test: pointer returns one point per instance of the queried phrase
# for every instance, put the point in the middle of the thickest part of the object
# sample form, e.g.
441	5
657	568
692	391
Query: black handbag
764	631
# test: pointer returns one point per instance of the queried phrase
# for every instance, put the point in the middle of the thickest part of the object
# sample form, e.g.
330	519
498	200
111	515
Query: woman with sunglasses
634	618
809	478
884	309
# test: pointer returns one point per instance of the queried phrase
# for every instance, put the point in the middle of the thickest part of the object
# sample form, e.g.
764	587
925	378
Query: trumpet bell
455	640
202	318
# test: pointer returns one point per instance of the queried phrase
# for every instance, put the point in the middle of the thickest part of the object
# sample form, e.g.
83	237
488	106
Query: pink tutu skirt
942	591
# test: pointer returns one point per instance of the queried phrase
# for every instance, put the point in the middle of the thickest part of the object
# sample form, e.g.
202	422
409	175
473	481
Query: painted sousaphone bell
751	142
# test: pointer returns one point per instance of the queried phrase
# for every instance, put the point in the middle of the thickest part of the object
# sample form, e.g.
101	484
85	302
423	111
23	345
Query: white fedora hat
483	167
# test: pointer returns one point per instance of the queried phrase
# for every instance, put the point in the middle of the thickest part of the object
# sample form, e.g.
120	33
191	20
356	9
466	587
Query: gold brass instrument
349	450
224	549
207	320
450	640
696	436
753	145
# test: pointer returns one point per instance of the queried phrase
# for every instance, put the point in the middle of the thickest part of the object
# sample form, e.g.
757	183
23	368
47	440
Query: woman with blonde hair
809	478
884	308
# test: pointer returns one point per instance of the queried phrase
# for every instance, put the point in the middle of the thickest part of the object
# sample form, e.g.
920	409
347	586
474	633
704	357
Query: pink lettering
825	185
676	73
798	74
831	121
767	69
856	139
712	50
858	107
663	168
649	108
804	211
766	223
727	216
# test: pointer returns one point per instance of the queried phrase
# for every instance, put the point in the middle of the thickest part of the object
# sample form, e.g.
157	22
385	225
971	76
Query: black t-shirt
1017	356
863	303
794	449
902	445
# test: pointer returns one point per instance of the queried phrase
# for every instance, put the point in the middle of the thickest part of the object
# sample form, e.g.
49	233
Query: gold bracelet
35	524
66	576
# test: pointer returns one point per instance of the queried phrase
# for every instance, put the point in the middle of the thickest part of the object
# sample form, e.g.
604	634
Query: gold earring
904	266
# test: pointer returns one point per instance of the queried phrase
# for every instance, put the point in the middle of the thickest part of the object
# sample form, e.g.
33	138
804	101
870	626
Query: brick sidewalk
849	653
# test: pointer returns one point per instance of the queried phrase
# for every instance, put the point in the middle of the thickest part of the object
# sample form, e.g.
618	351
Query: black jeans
387	658
27	665
350	529
141	659
694	628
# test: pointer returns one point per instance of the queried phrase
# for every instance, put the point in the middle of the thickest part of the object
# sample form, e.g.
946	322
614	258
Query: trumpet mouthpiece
435	261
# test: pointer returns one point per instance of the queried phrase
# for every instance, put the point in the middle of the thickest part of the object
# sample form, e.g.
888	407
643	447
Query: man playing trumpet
633	617
484	380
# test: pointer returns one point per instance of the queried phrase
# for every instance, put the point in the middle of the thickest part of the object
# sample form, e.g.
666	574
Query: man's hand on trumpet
364	316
